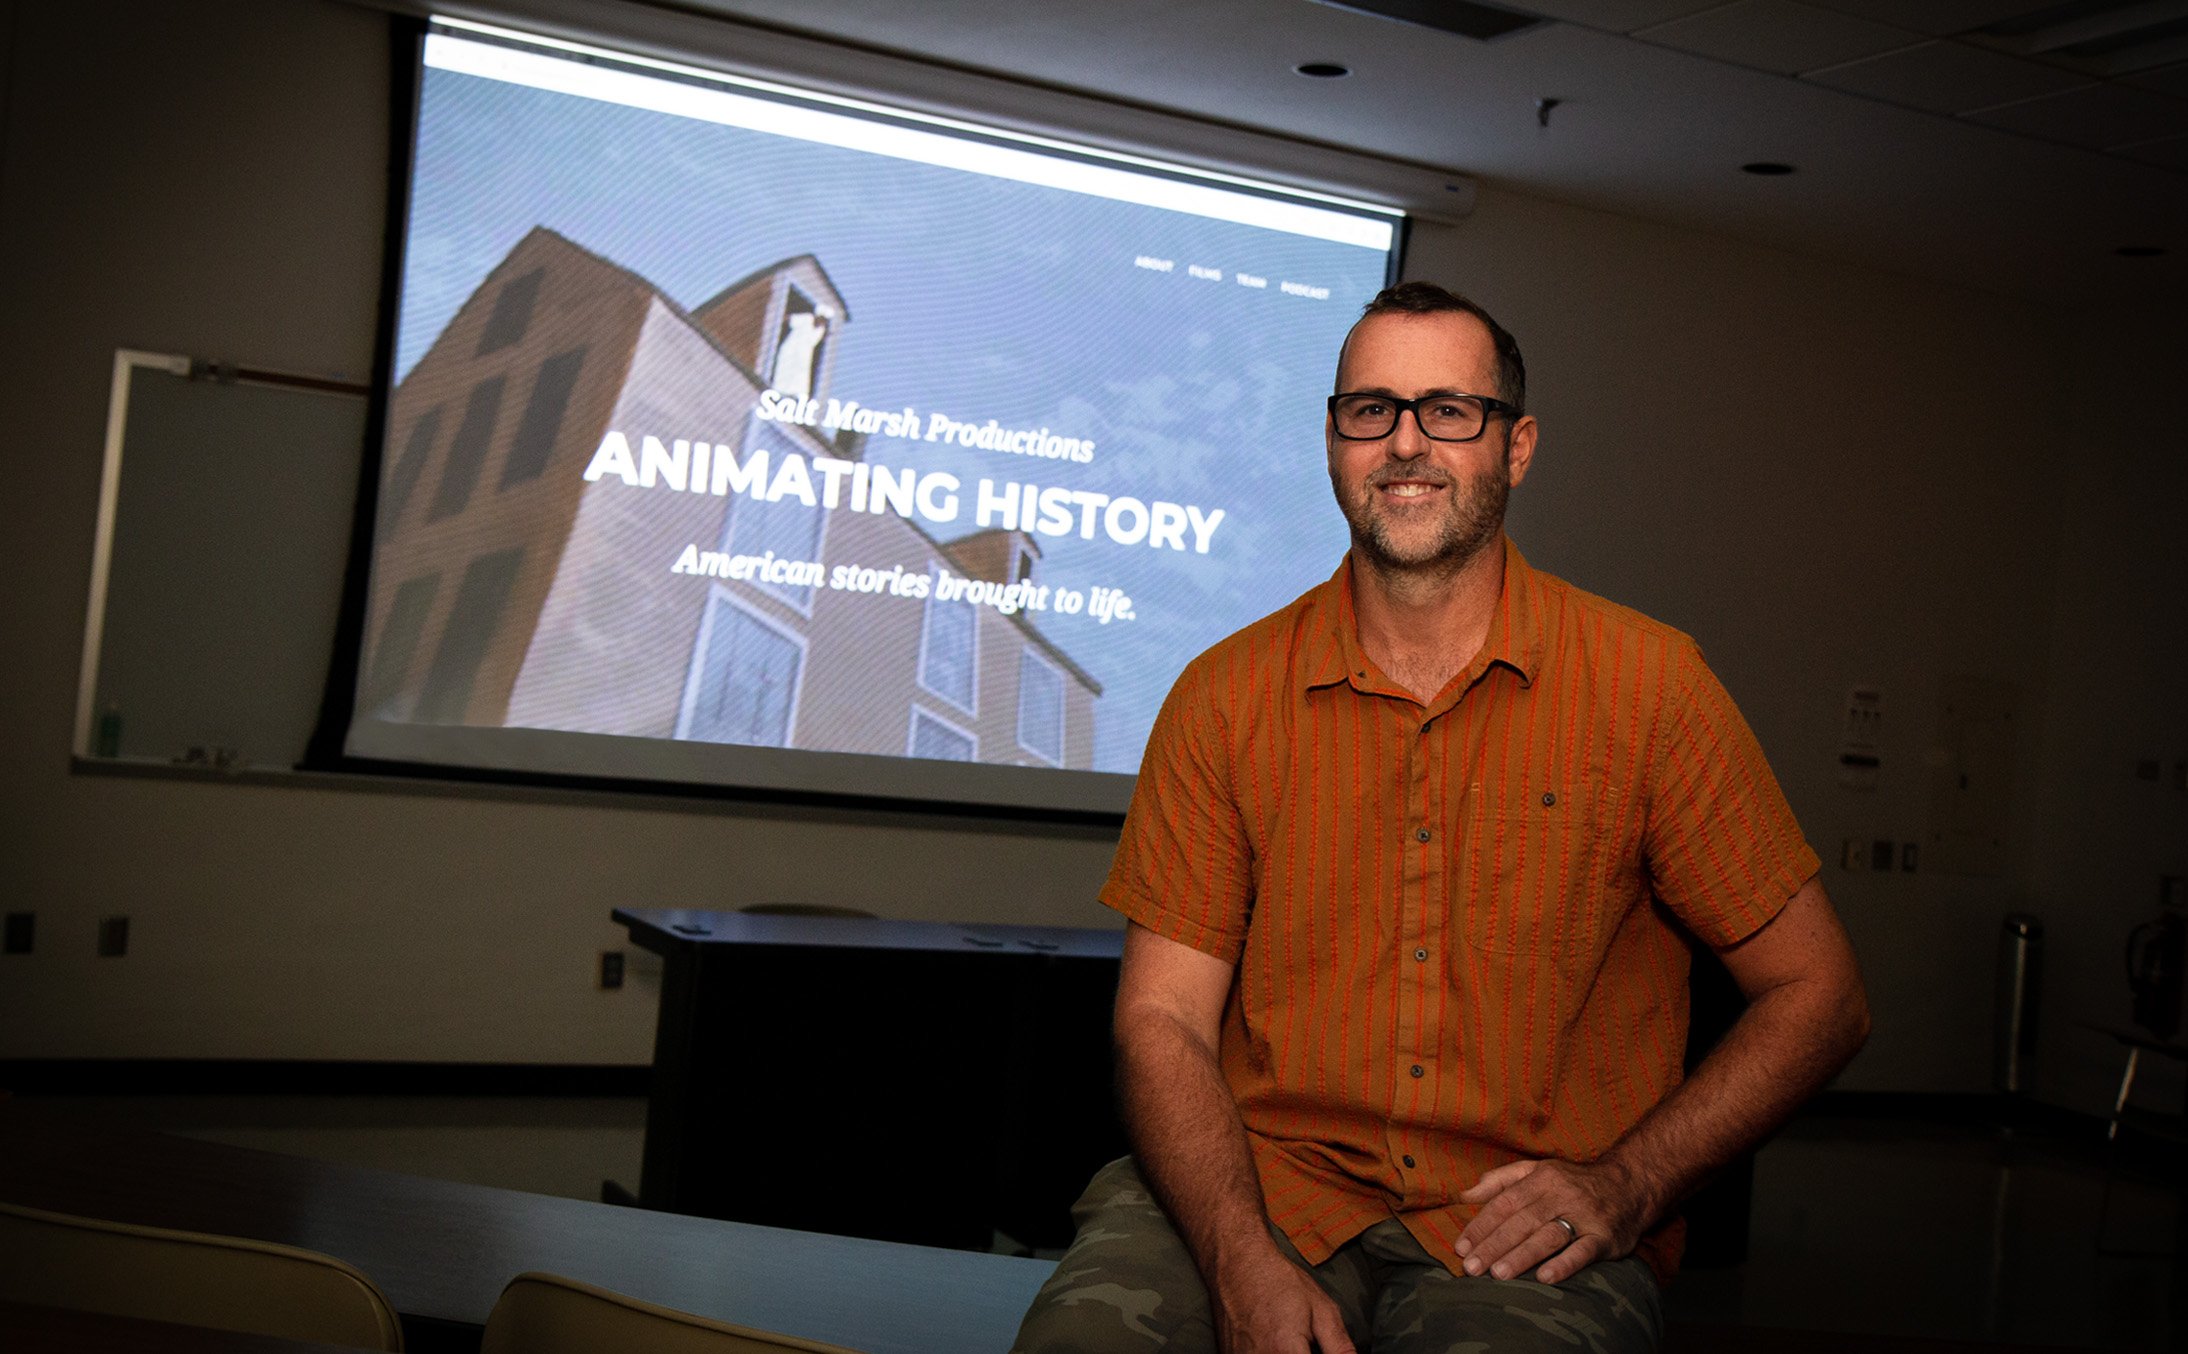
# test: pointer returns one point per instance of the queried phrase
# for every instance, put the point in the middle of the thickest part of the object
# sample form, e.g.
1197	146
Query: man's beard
1473	518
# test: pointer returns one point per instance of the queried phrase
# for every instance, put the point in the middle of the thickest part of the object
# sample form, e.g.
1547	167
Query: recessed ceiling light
1322	70
1483	23
1766	168
2140	251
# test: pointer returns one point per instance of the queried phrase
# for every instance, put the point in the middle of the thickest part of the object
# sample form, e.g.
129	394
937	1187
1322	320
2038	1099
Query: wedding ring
1572	1233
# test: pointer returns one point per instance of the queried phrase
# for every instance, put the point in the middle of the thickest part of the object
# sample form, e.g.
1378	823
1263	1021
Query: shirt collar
1334	654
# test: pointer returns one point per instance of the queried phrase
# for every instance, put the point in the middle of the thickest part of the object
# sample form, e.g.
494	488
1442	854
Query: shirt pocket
1529	882
1526	905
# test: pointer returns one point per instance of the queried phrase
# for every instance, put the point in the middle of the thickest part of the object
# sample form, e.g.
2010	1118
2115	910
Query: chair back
548	1314
190	1279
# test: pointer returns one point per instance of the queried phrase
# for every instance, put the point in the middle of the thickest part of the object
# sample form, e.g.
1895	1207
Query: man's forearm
1806	1016
1193	1153
1190	1144
1788	1044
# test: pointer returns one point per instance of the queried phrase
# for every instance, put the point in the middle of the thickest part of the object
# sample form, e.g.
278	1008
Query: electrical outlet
1882	856
1861	741
22	933
113	937
1853	854
1908	854
611	970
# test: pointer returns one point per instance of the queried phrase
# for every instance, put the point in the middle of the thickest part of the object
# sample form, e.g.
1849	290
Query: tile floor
1962	1232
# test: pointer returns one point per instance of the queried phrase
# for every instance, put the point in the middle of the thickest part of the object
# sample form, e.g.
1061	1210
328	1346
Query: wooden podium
905	1081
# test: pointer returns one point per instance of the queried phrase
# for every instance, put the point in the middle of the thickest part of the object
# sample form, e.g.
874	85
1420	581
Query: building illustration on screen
510	591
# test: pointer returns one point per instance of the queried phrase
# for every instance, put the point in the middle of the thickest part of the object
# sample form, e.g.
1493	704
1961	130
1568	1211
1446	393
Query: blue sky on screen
971	295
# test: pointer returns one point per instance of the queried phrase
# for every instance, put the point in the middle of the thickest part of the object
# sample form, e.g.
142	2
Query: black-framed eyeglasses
1363	417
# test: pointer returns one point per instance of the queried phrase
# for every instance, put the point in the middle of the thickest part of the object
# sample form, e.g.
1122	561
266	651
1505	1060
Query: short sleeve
1184	868
1723	849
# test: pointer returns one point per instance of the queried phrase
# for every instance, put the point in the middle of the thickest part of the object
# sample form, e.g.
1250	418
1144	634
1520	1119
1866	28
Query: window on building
467	450
798	345
1040	707
466	638
402	480
788	527
946	641
745	679
398	646
534	444
939	739
512	313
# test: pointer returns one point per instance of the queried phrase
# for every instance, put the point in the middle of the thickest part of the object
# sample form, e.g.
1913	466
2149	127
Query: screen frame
805	778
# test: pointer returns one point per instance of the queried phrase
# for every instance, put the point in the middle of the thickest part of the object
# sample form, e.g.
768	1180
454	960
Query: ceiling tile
2096	117
1483	23
1937	17
1948	77
2165	79
1648	132
2173	154
1777	35
1619	16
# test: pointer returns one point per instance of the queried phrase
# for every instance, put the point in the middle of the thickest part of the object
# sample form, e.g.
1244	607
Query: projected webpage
727	420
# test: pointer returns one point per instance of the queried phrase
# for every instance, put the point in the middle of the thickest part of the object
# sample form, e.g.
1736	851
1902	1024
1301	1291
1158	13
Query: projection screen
745	436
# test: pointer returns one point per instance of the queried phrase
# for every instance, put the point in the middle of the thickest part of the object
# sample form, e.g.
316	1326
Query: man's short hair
1426	298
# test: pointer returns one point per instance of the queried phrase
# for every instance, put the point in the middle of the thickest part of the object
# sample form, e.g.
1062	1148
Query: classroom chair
190	1279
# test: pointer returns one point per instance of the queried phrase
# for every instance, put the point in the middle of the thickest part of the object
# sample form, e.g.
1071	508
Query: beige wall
2118	670
1834	477
1829	476
1816	471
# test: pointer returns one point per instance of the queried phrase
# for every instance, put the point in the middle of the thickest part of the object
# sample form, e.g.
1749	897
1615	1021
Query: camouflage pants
1128	1286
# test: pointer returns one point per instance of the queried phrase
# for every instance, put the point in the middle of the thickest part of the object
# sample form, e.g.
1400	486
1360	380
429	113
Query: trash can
2020	983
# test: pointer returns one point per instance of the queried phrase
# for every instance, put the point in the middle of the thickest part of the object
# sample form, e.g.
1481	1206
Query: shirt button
1419	1070
1549	797
1421	955
1407	1160
1423	834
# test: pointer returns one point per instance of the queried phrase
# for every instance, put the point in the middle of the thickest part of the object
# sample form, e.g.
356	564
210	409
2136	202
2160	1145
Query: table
904	1081
442	1251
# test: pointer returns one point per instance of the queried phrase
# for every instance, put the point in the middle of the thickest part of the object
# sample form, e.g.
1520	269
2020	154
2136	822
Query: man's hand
1517	1230
1265	1304
1806	1015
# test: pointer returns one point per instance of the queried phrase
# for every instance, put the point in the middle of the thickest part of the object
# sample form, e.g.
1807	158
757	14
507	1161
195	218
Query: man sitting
1403	1003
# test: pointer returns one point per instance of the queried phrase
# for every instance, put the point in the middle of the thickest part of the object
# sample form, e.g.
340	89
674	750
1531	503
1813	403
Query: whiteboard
224	530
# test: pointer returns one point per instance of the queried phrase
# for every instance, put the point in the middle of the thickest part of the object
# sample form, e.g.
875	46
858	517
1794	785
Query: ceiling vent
1480	22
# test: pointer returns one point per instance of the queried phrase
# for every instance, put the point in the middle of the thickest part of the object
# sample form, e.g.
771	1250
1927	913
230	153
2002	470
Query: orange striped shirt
1451	922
